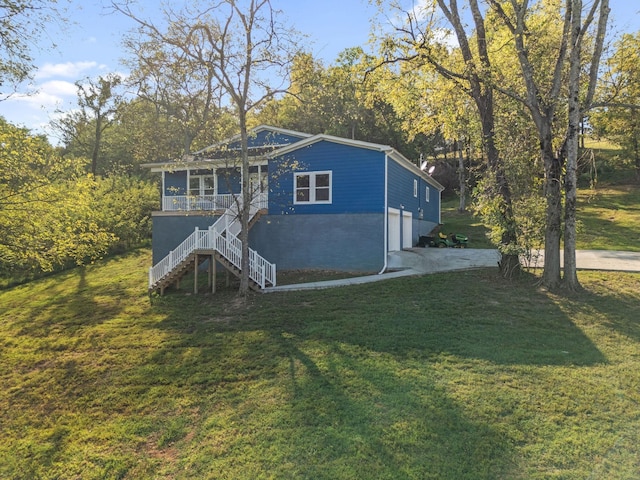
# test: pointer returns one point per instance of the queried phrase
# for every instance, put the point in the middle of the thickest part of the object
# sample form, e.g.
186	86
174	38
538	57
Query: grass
465	223
450	376
608	219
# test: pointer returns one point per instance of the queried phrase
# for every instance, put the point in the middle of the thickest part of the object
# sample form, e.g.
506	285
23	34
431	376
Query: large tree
98	101
550	93
181	87
21	25
247	51
418	39
553	43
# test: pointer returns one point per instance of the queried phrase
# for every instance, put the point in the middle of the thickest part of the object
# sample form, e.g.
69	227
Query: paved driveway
429	260
419	261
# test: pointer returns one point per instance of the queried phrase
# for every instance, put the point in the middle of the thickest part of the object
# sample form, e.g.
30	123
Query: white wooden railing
222	237
187	203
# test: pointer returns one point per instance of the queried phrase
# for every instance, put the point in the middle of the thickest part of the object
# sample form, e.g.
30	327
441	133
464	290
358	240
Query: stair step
189	263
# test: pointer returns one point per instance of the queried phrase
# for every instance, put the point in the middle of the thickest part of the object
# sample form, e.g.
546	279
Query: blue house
317	202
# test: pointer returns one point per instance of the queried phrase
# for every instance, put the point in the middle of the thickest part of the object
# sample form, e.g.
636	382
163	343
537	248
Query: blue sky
90	45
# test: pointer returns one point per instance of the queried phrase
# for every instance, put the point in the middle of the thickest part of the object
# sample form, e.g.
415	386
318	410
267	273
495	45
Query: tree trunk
636	151
509	262
96	146
462	179
553	195
245	206
570	277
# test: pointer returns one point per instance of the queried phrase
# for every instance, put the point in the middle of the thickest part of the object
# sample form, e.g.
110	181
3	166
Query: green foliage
620	122
400	379
52	214
43	206
123	207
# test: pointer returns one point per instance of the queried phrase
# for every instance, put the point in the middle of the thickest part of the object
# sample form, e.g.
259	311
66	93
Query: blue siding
357	179
431	208
229	181
175	183
401	192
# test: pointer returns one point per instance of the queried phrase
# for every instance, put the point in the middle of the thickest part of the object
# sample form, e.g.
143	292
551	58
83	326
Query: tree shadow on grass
470	314
274	400
342	383
76	299
58	362
616	304
358	418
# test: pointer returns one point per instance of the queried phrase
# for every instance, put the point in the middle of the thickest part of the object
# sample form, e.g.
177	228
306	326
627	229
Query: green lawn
608	217
449	376
465	223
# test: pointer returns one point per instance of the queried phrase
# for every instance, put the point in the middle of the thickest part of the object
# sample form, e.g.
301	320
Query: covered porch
211	189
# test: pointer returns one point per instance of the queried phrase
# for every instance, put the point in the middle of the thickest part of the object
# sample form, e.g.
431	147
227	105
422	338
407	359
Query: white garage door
407	230
394	229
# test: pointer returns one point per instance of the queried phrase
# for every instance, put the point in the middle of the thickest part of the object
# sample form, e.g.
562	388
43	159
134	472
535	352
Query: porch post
212	273
195	276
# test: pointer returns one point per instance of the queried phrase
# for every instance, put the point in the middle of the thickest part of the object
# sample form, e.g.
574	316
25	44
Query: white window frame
426	194
201	184
415	188
312	188
259	181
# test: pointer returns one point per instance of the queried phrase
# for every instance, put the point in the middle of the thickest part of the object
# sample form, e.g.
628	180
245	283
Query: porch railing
187	203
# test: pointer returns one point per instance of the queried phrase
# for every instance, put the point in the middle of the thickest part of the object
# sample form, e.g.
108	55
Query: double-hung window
312	187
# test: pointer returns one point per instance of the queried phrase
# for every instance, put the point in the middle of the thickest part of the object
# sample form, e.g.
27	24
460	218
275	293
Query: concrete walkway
421	261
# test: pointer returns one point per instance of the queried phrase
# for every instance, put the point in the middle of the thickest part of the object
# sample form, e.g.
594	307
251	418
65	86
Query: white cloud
59	87
66	70
49	95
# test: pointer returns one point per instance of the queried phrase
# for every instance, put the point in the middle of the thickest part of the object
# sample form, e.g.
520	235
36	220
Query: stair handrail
221	238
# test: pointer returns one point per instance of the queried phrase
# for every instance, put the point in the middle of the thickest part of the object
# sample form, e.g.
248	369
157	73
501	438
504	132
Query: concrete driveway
420	261
430	260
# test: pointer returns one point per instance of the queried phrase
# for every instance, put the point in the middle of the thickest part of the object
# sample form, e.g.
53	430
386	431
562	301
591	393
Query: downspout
386	212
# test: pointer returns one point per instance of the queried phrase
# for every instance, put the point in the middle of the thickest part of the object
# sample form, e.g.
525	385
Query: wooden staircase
219	243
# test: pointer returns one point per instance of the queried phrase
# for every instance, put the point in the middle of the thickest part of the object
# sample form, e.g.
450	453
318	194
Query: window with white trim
201	182
312	187
258	179
415	188
426	194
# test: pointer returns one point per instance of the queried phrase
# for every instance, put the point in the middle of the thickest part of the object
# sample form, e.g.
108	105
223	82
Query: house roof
223	151
254	131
